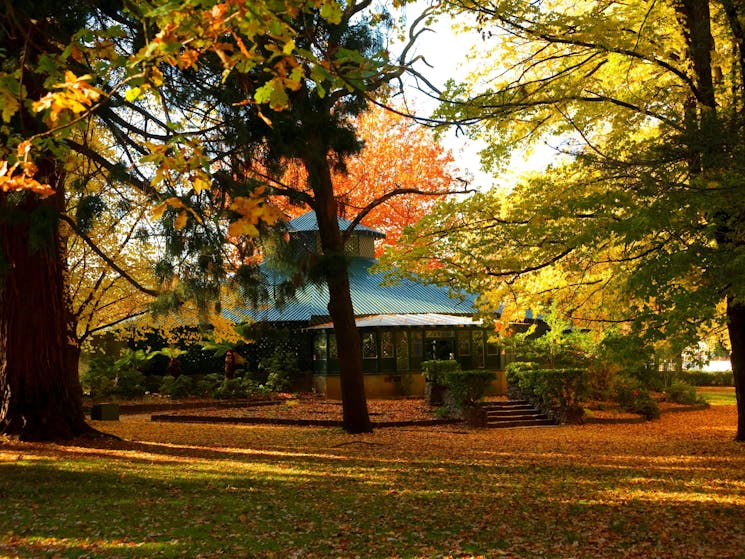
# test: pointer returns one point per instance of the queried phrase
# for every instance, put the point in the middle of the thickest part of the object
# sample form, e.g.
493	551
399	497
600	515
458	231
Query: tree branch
67	219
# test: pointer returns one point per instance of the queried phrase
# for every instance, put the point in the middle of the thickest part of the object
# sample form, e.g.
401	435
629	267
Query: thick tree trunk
736	327
40	395
349	347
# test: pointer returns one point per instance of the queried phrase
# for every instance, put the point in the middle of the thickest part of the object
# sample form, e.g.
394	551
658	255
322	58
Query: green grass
628	490
718	396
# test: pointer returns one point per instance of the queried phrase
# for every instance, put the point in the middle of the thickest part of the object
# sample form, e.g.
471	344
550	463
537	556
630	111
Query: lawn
718	395
668	488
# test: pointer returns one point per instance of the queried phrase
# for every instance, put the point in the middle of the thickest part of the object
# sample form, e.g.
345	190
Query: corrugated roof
309	222
369	297
389	320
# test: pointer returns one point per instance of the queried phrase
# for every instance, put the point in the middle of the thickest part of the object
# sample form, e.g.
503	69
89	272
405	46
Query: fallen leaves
669	488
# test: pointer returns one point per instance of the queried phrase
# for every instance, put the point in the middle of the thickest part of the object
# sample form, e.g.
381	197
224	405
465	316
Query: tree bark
40	394
736	328
349	347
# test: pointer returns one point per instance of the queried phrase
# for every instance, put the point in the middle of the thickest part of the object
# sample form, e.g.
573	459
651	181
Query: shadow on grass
579	492
125	502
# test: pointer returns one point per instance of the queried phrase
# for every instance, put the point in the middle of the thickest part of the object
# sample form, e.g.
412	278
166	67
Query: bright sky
447	56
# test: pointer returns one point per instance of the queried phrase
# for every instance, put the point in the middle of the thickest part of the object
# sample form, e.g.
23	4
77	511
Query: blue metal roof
369	297
393	320
308	222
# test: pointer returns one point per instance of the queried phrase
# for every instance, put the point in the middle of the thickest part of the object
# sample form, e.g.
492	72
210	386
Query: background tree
315	132
641	216
396	178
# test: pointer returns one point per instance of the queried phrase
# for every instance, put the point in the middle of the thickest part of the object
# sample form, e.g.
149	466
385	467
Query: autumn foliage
619	489
398	155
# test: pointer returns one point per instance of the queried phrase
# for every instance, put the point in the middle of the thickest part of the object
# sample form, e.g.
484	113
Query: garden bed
308	410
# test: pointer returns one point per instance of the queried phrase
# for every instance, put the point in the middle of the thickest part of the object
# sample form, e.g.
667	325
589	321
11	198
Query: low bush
435	370
467	387
208	385
107	377
130	383
703	378
558	392
633	397
281	369
99	380
177	387
682	393
516	368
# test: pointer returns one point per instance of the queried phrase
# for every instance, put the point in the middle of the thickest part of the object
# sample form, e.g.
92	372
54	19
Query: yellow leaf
181	219
242	227
158	210
133	93
201	183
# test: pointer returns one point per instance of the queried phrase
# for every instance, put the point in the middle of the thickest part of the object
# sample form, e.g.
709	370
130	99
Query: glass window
386	345
440	334
492	346
464	343
319	346
478	348
332	347
417	344
369	346
402	351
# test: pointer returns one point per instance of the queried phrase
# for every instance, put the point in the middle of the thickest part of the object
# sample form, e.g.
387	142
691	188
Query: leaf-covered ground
309	408
668	488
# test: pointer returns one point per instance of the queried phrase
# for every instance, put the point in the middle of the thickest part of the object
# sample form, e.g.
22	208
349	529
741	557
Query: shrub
559	392
208	385
635	398
702	378
130	383
516	368
152	383
99	380
278	382
108	377
467	387
177	387
645	406
682	393
231	388
281	368
435	370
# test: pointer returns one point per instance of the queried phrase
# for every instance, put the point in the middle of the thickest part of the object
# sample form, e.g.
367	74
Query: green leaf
331	12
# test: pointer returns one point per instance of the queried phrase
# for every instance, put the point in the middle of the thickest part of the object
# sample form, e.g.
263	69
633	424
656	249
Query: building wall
381	386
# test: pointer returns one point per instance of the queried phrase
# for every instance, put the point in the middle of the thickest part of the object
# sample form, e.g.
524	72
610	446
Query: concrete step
520	423
512	413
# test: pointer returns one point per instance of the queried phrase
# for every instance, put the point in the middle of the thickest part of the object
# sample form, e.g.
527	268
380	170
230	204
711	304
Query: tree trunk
40	395
349	347
736	327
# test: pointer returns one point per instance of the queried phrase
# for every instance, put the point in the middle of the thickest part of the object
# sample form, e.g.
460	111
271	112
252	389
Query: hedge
703	378
468	387
558	392
436	369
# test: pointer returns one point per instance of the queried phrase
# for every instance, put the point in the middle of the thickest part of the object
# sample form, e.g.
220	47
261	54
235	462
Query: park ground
614	487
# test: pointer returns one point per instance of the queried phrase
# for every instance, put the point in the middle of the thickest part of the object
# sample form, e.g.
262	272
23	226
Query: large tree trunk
696	20
40	395
349	347
736	327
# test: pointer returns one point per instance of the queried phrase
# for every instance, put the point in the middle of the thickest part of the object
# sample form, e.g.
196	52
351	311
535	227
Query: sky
447	54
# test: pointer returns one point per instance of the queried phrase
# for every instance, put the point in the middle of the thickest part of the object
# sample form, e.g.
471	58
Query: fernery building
401	324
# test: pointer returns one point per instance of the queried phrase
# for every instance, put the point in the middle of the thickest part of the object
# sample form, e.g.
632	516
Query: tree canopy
181	97
639	220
